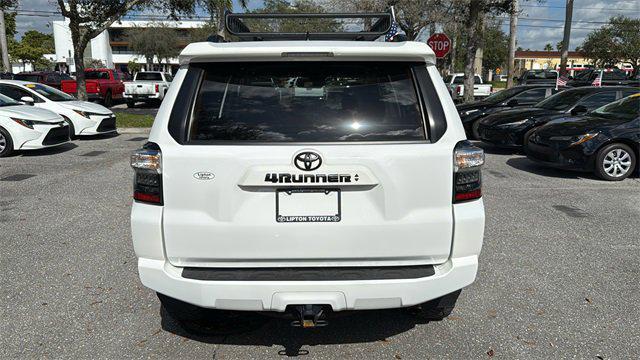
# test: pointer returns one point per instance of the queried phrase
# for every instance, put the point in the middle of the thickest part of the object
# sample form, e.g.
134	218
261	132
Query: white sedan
25	127
84	118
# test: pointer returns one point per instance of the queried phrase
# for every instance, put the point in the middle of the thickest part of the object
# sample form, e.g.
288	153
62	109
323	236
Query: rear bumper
508	138
142	97
162	277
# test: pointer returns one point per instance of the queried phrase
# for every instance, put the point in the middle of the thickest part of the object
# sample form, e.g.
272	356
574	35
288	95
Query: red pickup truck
104	85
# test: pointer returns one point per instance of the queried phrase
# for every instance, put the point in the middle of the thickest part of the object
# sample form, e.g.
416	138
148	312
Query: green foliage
292	25
158	41
10	24
617	41
495	52
31	48
548	47
133	66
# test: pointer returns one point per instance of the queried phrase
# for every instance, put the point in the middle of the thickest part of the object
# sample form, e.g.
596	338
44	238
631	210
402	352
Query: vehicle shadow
490	149
529	166
253	329
49	151
98	137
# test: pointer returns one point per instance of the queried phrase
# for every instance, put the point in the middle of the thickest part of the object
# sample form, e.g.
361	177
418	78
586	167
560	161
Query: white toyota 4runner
307	176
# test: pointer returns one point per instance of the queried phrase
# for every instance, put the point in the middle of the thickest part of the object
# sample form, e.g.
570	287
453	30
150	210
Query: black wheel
615	162
201	321
72	131
474	130
436	309
108	100
527	135
6	144
131	104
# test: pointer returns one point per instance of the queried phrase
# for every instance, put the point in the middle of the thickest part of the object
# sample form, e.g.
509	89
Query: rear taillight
147	183
157	88
467	176
459	90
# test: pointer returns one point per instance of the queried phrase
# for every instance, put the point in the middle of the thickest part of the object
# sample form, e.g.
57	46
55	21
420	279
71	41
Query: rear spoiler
380	25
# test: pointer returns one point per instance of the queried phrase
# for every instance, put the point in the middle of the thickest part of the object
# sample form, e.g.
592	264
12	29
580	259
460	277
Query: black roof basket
381	24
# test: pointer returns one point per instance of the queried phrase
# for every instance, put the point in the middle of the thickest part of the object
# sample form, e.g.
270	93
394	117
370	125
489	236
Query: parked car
104	85
510	128
83	117
538	77
25	128
502	78
455	82
517	96
605	141
148	86
241	168
50	78
6	75
610	77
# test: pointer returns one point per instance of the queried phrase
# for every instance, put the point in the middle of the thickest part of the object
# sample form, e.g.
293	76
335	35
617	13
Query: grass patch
499	84
126	120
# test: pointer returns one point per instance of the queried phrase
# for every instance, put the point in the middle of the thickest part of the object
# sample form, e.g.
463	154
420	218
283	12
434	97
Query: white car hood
85	106
26	112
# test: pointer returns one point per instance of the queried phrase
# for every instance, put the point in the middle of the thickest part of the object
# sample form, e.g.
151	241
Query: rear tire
131	104
108	100
615	162
436	309
6	143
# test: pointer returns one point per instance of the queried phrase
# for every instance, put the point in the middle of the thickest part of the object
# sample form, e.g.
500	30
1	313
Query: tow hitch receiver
308	316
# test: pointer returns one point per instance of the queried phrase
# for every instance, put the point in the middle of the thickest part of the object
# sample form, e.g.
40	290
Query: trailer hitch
308	316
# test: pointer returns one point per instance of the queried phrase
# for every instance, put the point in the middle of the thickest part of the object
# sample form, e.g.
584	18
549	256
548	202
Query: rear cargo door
307	164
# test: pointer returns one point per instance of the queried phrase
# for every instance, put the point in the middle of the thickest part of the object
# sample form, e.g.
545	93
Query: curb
134	130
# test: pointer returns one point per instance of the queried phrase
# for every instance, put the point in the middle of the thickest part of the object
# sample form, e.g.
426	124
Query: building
111	46
535	60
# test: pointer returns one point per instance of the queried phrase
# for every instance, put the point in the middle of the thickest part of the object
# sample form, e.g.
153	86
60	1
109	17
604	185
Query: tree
4	48
216	9
133	66
89	18
156	41
548	47
292	25
617	41
31	49
564	51
496	46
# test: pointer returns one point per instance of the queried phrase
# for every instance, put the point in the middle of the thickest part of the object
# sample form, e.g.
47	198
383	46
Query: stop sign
440	44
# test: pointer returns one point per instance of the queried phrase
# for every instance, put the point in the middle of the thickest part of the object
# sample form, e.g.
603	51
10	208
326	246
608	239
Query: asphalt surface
559	273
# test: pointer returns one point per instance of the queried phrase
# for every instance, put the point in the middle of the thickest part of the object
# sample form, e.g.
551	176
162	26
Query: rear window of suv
307	102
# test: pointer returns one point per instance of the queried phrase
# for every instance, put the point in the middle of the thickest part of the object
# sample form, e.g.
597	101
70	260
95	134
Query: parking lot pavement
558	273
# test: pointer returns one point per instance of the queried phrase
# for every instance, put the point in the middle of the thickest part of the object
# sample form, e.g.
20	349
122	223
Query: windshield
307	102
7	101
149	76
563	100
624	109
503	95
27	77
50	93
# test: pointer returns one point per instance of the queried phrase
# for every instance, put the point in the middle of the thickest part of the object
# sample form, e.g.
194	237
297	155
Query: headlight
29	123
86	114
575	139
514	123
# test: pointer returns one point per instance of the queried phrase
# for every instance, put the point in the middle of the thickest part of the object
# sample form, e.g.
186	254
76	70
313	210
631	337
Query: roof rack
237	27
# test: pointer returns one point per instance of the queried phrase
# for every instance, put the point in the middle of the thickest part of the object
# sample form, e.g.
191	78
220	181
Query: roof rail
237	27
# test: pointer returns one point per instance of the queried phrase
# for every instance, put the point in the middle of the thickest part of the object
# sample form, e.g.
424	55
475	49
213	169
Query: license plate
308	205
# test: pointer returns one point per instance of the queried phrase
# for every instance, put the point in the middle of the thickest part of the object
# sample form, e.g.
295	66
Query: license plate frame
309	193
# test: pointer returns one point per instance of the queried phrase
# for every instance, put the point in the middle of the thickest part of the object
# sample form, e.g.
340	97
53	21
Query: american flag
598	80
393	31
561	81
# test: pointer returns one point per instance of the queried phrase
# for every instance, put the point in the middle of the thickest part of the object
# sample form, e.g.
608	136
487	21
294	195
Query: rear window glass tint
149	76
307	102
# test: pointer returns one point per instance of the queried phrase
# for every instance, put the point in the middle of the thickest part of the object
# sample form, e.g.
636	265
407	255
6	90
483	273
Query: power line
580	8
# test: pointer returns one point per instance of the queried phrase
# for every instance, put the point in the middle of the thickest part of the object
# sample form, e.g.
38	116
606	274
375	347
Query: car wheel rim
617	163
3	142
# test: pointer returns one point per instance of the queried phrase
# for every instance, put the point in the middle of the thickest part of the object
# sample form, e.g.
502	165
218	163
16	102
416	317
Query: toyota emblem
307	161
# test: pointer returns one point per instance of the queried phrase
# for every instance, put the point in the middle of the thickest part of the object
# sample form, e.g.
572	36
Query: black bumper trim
309	273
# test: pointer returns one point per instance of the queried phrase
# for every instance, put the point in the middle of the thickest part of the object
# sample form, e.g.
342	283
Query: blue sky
539	23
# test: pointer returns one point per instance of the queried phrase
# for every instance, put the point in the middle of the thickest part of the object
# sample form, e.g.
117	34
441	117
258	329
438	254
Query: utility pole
3	44
513	28
568	15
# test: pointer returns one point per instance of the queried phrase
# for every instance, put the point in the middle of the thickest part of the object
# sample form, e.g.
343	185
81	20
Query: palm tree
548	47
216	9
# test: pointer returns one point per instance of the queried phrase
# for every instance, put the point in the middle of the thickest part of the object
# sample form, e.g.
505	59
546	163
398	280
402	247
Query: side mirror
512	102
28	100
579	109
